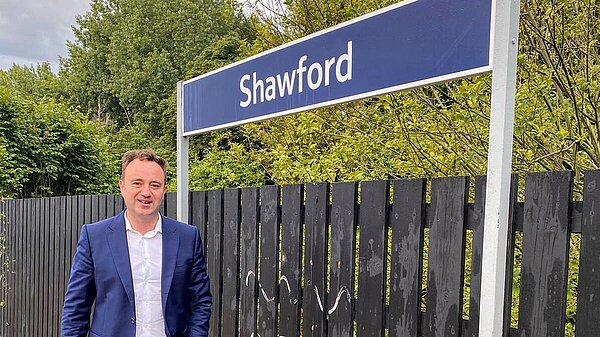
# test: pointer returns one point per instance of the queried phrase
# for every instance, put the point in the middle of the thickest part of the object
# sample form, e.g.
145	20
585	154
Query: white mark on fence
337	299
283	278
250	272
262	291
318	298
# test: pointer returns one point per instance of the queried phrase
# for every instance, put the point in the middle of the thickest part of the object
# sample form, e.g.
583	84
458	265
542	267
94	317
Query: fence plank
370	319
343	246
291	260
471	328
249	261
199	214
47	260
102	207
269	261
314	294
545	248
29	290
231	277
171	207
510	253
95	211
21	220
447	223
408	222
588	304
55	251
53	265
214	252
35	287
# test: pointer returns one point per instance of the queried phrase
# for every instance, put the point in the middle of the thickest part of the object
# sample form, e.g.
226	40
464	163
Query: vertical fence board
171	208
53	303
269	261
34	287
198	214
4	312
510	254
44	264
102	207
370	319
119	204
408	222
30	243
343	246
249	261
214	253
20	220
314	294
588	304
545	249
291	263
231	277
472	328
446	257
95	210
56	312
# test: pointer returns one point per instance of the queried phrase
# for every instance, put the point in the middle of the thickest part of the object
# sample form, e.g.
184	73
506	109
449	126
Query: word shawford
318	74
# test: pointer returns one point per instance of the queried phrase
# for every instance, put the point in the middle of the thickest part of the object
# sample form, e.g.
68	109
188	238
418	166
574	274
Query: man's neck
142	224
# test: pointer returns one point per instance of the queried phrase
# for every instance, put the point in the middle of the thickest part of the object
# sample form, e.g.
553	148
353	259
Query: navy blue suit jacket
101	274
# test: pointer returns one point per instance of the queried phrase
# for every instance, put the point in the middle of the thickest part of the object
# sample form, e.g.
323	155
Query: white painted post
182	161
505	31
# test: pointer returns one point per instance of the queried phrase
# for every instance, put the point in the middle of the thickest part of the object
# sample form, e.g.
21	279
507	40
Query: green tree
129	54
49	149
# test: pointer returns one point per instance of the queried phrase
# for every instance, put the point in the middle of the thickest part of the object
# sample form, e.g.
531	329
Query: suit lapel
117	241
169	257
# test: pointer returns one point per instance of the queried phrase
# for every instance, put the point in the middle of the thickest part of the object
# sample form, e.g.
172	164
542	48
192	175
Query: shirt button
133	321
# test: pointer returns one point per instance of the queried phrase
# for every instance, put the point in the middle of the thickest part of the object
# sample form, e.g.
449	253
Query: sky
36	31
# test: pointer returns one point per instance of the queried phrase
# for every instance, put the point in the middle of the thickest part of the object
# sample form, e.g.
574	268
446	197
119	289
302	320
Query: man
145	272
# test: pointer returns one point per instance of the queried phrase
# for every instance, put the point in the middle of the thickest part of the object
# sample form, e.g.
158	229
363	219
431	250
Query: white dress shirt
145	257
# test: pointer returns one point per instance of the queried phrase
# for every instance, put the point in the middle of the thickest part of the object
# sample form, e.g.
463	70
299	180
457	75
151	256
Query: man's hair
145	154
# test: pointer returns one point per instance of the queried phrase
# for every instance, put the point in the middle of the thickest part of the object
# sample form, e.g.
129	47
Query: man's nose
146	190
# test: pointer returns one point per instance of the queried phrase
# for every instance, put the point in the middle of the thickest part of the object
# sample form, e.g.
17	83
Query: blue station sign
407	45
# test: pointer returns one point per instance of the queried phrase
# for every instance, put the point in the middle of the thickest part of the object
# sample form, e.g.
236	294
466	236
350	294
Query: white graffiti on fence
283	278
337	299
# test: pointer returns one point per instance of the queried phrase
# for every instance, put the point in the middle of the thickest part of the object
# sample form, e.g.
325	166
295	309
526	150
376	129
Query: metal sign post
183	159
495	230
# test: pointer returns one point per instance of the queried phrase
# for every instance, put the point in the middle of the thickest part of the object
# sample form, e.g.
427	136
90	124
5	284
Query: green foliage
48	149
35	82
129	55
224	164
220	168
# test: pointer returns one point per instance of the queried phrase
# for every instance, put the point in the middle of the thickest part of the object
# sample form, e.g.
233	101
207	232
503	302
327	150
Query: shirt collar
157	227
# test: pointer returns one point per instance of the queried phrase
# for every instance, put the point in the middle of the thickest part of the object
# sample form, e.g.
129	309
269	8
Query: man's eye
155	186
136	183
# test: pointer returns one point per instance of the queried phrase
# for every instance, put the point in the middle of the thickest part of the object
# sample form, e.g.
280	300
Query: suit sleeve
81	291
199	291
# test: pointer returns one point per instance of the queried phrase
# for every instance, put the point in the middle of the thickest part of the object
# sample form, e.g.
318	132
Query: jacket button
133	321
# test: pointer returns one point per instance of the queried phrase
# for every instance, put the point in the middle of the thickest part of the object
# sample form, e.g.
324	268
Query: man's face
143	187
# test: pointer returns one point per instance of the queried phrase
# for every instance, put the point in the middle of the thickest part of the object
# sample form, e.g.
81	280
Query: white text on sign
317	75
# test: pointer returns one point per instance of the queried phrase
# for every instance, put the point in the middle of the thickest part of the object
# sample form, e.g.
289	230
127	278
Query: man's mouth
145	202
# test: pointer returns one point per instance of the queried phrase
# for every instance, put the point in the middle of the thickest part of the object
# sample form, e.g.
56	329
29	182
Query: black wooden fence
314	261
